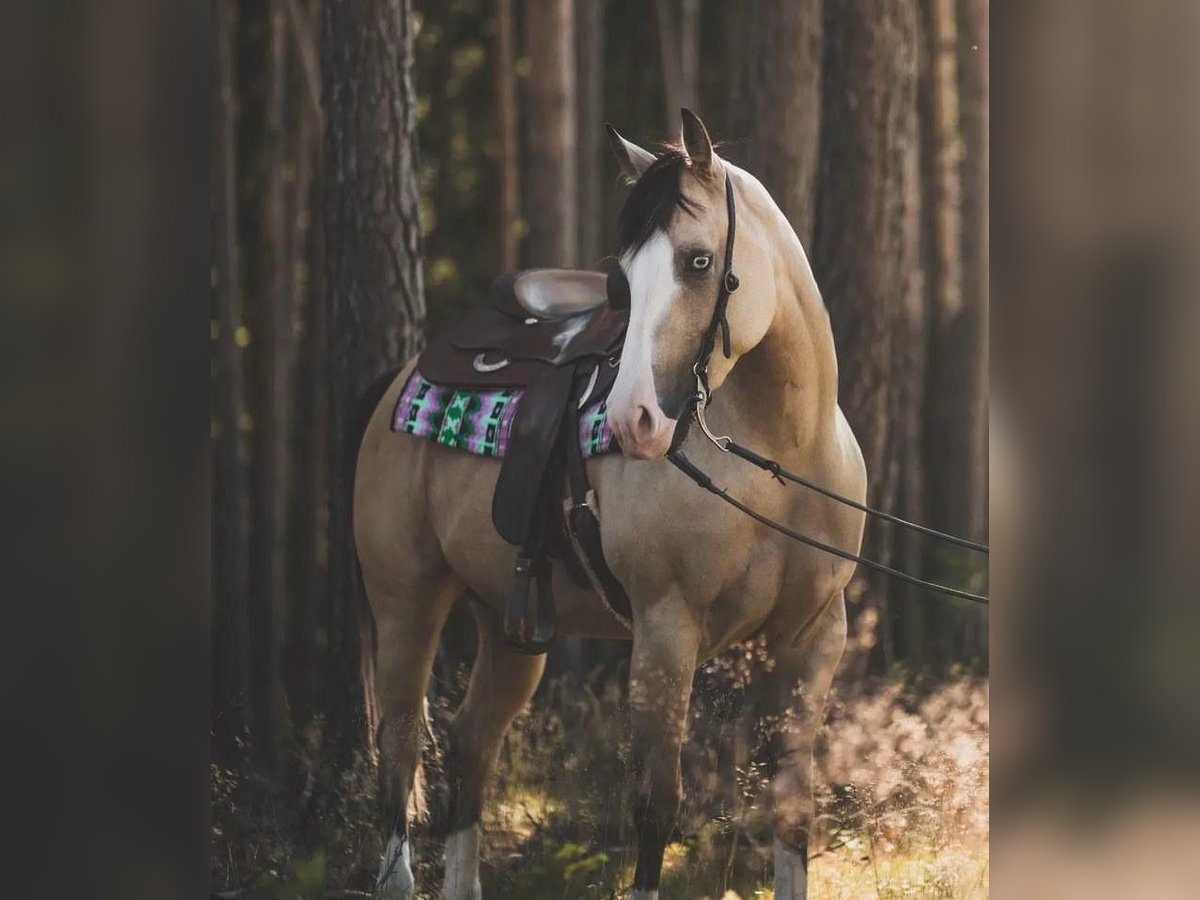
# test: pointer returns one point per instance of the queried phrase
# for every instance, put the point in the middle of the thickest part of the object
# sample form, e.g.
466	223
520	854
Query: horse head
673	231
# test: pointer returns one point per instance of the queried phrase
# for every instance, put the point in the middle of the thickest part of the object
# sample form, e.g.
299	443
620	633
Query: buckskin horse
699	577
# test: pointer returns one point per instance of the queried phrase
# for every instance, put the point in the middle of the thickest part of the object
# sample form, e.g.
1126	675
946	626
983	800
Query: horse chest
662	536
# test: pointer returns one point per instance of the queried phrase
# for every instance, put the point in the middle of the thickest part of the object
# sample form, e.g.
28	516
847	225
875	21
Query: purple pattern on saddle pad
480	422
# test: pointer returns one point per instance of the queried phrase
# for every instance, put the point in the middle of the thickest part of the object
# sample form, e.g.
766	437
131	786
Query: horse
699	576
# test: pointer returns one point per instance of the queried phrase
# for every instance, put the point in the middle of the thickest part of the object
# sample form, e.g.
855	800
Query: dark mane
652	202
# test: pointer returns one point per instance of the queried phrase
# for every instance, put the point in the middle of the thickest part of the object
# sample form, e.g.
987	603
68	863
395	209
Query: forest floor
902	804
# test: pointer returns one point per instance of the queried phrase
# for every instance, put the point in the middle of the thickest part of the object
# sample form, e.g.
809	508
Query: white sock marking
395	880
791	874
462	865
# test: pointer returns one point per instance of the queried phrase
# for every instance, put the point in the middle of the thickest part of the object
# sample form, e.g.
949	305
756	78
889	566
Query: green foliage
561	870
306	880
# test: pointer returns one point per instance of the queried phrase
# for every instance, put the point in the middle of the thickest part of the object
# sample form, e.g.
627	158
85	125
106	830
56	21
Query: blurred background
375	165
116	195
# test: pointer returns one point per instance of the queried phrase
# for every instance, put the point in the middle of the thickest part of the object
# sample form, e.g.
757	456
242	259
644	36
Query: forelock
653	201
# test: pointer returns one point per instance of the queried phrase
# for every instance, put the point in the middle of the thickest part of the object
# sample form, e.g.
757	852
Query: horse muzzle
644	432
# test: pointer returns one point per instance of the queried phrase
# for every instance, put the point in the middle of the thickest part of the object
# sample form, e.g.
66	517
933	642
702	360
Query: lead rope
700	477
769	465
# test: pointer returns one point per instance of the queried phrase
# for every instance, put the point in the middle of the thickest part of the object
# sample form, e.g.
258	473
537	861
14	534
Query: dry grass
902	802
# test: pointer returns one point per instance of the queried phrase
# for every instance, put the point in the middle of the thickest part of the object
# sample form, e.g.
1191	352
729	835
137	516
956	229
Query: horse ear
632	158
697	143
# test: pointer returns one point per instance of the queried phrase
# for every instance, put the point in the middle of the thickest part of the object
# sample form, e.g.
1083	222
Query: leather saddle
556	334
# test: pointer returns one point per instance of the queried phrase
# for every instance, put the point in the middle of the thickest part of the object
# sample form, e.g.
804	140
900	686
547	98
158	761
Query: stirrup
530	633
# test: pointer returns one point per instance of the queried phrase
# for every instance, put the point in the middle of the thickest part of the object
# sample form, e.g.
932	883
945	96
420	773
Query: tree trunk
973	72
973	61
271	414
231	627
679	48
551	162
308	483
373	281
506	114
775	102
866	235
590	52
953	428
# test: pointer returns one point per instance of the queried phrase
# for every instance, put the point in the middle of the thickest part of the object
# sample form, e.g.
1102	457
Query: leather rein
698	404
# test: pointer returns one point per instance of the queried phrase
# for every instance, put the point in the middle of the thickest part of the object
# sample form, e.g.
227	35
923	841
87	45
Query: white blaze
653	289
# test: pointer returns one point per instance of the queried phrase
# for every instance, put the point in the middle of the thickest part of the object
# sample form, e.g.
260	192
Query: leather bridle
698	403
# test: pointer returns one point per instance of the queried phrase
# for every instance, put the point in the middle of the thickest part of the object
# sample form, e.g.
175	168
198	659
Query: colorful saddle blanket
480	421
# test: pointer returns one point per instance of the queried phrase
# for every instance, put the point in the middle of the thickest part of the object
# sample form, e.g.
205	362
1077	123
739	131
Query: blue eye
699	262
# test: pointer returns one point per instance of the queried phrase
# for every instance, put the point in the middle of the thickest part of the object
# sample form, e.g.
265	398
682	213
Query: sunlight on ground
960	873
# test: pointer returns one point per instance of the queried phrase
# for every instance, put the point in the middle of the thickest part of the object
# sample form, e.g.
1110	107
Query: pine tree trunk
271	415
590	51
231	627
973	71
551	180
866	235
953	428
308	479
679	48
506	114
775	102
373	282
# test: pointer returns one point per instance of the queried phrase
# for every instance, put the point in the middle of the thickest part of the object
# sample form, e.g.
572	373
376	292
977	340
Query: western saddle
556	334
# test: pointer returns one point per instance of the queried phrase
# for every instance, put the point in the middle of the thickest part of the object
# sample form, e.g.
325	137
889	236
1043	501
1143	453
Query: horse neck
787	384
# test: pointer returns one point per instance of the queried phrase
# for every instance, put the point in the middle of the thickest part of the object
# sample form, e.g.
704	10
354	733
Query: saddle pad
480	422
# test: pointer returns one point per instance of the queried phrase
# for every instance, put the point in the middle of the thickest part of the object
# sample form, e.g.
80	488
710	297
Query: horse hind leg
797	688
502	683
408	620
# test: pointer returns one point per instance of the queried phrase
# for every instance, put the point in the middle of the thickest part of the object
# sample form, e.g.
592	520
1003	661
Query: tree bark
775	102
231	627
953	429
590	55
552	174
866	234
307	487
268	602
679	48
974	61
373	282
506	115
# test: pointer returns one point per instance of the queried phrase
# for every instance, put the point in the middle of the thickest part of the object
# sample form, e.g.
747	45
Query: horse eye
700	262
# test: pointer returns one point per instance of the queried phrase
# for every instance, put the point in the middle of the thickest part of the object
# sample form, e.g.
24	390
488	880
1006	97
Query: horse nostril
643	423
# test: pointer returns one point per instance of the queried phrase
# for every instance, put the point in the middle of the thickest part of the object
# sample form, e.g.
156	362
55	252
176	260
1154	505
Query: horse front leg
797	688
666	643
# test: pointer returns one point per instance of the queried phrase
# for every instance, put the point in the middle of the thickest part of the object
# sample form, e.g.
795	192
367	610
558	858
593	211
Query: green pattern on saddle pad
593	433
453	433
